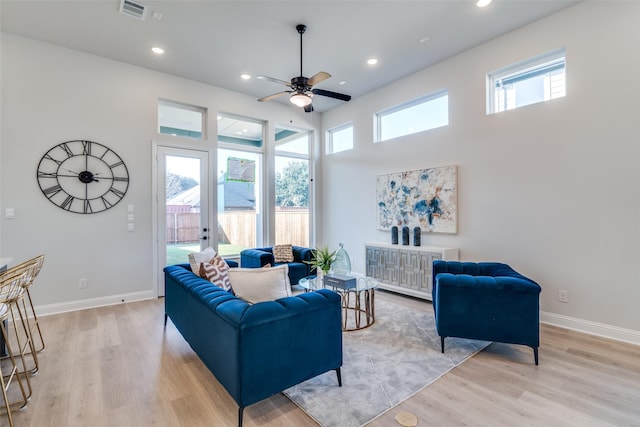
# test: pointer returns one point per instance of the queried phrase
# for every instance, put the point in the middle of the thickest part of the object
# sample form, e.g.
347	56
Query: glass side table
358	303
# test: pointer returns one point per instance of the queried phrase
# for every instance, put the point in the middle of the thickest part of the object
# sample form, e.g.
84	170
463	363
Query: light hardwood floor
117	366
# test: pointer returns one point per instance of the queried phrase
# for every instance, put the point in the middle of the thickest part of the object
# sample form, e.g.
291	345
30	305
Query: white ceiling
215	41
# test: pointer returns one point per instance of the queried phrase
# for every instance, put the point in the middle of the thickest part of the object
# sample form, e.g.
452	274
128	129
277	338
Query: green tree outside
292	185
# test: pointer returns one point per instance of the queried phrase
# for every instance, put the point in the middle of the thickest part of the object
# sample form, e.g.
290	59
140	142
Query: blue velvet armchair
486	301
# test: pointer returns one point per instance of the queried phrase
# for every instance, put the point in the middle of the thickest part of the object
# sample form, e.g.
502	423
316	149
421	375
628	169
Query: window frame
533	66
329	146
187	107
237	145
424	99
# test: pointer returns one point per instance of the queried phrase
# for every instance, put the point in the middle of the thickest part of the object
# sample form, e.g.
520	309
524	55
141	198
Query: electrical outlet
82	284
563	296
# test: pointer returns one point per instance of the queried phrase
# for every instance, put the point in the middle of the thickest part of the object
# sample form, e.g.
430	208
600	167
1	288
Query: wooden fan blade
271	79
274	96
317	78
328	93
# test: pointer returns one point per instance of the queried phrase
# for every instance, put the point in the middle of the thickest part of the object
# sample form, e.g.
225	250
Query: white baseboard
592	328
63	307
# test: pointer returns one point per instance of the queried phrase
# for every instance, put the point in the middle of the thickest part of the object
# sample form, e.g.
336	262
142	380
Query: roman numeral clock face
83	177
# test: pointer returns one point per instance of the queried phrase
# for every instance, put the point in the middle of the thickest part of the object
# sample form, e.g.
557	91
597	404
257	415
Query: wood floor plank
118	366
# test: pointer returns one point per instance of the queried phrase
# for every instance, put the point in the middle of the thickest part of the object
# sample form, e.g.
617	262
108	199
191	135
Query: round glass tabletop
363	283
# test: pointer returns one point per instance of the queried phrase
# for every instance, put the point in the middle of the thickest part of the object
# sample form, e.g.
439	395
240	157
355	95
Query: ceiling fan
301	88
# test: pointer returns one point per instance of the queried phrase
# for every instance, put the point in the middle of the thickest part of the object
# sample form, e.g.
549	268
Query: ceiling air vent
131	8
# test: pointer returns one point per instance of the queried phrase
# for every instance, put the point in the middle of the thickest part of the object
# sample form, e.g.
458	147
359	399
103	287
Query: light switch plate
9	213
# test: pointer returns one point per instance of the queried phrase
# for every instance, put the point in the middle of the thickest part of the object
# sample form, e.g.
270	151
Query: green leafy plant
322	258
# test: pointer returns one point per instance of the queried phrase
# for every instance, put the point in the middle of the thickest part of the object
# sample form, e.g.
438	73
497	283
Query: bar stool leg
9	377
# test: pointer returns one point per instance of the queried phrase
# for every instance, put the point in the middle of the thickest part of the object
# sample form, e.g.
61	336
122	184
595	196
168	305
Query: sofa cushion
216	272
196	258
282	253
261	284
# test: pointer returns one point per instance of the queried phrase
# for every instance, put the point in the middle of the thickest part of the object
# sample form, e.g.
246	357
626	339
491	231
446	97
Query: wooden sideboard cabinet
405	269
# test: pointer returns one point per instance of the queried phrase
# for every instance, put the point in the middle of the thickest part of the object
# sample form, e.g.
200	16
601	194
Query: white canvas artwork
425	198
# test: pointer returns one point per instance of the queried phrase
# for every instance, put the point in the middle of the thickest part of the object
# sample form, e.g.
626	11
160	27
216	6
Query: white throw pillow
260	284
197	258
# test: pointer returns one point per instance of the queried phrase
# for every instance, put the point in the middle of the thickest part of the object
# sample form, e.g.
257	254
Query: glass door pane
183	217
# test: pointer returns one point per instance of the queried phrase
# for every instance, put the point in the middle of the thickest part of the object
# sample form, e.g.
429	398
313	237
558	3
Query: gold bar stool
37	263
10	286
20	275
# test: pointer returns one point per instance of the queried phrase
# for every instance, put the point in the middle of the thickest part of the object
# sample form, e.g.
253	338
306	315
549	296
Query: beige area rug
383	365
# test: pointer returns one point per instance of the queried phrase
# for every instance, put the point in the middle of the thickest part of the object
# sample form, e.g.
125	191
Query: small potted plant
321	260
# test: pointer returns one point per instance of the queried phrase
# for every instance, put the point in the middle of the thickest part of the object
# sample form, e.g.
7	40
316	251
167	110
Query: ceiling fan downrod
301	29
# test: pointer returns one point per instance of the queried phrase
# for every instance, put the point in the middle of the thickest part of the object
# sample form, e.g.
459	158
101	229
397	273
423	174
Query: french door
183	221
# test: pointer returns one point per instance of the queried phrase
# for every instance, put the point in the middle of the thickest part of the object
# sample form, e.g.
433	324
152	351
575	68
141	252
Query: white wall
51	95
552	189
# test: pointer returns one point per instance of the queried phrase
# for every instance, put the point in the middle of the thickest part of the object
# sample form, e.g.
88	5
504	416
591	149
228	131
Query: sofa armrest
255	258
301	254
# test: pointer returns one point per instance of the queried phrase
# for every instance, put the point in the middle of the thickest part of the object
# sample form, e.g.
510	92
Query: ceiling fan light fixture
300	99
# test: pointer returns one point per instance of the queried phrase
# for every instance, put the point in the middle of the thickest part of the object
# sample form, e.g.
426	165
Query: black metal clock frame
82	176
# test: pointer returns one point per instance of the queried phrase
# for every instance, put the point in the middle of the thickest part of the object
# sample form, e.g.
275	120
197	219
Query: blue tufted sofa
486	301
256	350
259	257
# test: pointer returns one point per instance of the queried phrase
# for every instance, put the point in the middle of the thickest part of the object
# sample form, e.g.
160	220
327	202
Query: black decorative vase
416	236
394	235
405	235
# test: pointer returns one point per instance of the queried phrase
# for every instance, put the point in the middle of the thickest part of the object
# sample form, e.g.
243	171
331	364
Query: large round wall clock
83	177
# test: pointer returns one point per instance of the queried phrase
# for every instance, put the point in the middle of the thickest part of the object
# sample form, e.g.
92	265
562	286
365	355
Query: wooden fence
239	227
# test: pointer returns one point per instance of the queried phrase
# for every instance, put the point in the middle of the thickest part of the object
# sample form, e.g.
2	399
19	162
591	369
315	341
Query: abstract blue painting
425	198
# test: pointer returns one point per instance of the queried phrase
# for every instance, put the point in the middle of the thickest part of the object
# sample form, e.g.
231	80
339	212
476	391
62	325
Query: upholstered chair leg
535	354
442	344
339	377
240	411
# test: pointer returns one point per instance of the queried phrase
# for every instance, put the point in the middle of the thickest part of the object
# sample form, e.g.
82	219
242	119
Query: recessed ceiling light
483	3
372	61
245	76
342	83
425	39
157	50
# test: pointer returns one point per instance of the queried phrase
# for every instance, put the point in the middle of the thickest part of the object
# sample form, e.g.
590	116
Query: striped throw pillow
217	272
282	253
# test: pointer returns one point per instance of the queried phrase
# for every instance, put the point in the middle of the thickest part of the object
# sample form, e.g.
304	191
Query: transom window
424	113
181	119
528	82
340	138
